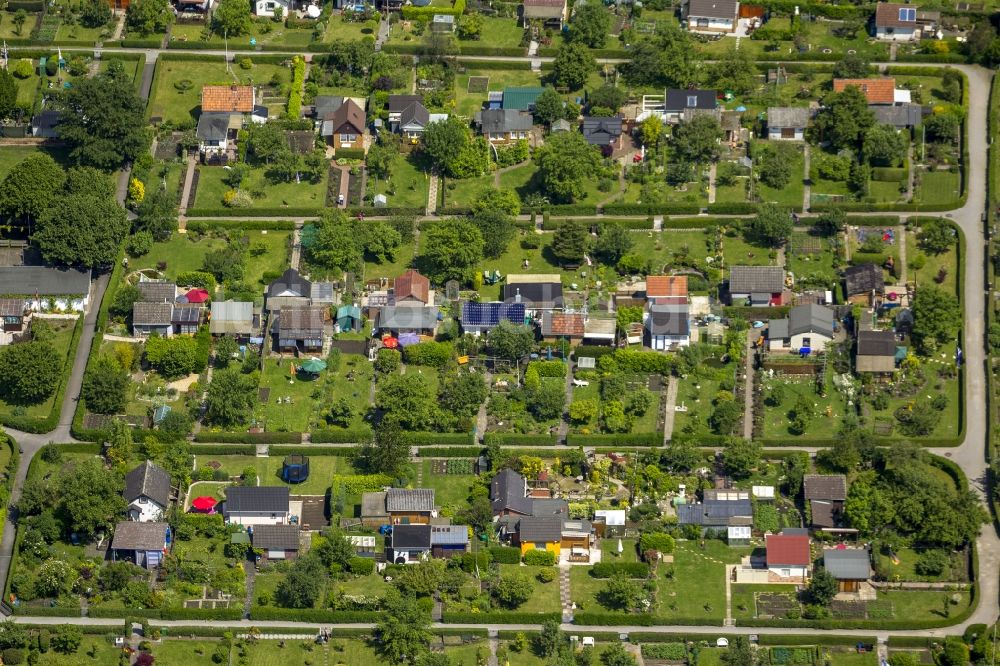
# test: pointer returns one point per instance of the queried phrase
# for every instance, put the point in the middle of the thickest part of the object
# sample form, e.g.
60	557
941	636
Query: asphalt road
971	455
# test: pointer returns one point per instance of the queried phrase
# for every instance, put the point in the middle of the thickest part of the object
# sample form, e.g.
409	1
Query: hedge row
255	212
339	436
203	226
651	209
224	450
630	569
634	224
496	51
386	211
427	13
732	208
313	615
201	613
815	639
437	438
623	439
449	451
249	437
495	64
49	611
505	554
496	618
179	57
514	439
309	450
888	207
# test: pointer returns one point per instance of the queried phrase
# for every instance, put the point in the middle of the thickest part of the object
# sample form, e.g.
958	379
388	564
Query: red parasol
204	503
390	342
197	296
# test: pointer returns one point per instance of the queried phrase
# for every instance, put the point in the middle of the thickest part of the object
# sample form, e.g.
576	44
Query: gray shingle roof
496	121
151	314
601	131
825	487
373	504
904	115
749	279
668	320
276	537
44	281
724	9
289	284
301	323
788	116
507	492
257	499
212	126
847	563
325	105
863	279
548	507
130	535
407	317
677	100
411	536
397	103
810	318
402	499
415	114
157	291
876	343
150	480
540	528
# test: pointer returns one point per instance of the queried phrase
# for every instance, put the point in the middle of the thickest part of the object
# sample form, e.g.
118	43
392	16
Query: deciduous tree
572	65
232	18
590	25
451	250
146	17
90	499
29	187
771	227
230	399
569	242
564	163
105	386
29	372
697	140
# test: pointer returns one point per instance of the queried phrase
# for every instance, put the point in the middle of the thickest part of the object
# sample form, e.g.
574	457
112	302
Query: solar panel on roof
490	314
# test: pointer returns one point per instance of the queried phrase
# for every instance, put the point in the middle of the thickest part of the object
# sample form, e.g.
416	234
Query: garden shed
349	318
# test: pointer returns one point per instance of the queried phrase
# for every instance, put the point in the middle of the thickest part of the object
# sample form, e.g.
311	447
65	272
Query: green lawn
790	195
933	266
777	420
275	34
906	569
390	269
62	337
81	33
406	187
920	605
186	252
938	187
609	548
339	30
11	156
812	268
169	652
698	587
180	105
463	191
738	252
519	178
468	103
93	650
544	597
321	470
305	194
450	490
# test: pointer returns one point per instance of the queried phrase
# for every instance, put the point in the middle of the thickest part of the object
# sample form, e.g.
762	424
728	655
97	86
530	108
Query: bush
546	575
13	655
361	566
630	569
659	541
549	368
431	354
506	554
541	558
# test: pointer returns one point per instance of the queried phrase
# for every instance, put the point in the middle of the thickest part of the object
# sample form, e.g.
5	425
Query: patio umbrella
313	365
390	342
407	339
197	296
621	549
204	503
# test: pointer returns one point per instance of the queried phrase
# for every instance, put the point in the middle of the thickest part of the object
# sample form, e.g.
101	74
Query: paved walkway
752	336
432	194
712	170
901	244
186	191
807	183
565	597
296	247
669	410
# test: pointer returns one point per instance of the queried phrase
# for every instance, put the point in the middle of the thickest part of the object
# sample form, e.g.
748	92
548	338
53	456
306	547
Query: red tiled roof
877	91
666	285
412	284
567	324
227	99
788	549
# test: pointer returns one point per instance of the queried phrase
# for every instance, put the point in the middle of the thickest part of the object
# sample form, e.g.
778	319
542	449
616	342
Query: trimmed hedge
450	451
255	212
50	611
339	436
630	569
495	618
249	437
201	613
621	439
815	639
506	65
308	450
515	439
204	226
437	438
732	208
190	56
540	558
427	13
231	450
313	615
496	51
505	554
651	209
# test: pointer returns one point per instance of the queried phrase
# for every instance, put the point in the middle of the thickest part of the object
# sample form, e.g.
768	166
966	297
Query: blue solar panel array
490	314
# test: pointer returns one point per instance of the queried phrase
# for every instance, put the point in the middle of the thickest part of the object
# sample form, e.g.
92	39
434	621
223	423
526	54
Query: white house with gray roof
505	125
716	16
147	491
808	327
45	286
787	123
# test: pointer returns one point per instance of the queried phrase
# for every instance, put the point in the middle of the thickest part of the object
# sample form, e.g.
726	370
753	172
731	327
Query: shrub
361	566
506	554
542	558
656	541
432	354
610	569
140	243
549	368
546	575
